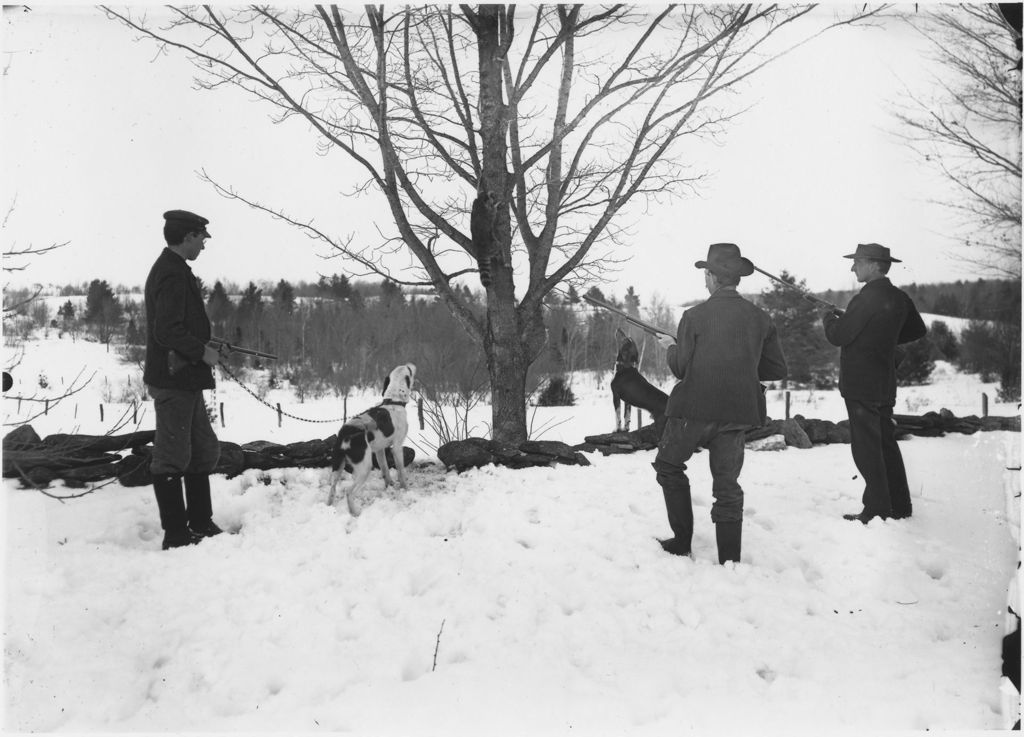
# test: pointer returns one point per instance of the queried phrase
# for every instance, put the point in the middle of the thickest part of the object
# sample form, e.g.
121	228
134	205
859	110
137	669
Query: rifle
176	362
645	326
221	343
803	293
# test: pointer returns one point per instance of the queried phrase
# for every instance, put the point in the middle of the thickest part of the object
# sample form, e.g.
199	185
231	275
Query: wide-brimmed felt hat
194	223
873	251
724	259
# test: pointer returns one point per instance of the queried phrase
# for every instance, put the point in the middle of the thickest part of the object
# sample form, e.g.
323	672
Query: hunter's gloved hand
665	340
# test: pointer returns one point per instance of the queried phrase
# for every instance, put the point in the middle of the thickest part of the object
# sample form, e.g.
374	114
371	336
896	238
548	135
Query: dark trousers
185	441
679	441
878	459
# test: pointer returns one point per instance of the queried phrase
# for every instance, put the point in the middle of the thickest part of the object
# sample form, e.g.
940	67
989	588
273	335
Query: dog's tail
350	446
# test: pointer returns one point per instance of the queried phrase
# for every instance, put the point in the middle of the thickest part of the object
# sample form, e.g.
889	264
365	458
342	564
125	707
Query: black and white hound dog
378	428
632	389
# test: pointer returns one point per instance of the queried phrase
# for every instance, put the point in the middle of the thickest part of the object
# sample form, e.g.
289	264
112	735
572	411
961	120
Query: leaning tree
557	121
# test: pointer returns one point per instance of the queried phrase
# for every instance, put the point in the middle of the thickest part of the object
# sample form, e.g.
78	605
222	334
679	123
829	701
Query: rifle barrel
804	293
646	326
246	351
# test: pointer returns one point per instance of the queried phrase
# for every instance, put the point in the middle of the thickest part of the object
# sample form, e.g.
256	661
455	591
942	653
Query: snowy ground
512	602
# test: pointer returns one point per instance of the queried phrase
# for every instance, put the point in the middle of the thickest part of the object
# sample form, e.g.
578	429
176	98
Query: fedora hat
874	252
724	259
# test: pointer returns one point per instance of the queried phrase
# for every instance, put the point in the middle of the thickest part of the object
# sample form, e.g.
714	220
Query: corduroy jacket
724	348
878	318
175	320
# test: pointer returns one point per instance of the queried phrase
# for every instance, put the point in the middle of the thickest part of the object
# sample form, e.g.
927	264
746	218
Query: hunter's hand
211	356
665	340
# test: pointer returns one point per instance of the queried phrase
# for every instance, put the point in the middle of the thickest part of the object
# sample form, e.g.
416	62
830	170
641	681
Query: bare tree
563	119
970	129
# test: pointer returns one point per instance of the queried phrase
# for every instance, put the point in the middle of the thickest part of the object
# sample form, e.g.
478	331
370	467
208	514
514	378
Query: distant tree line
334	334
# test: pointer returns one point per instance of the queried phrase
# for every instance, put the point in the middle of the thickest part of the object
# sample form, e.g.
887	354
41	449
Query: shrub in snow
557	393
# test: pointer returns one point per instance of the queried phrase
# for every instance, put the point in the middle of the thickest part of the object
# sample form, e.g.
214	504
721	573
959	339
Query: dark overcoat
175	320
724	348
877	319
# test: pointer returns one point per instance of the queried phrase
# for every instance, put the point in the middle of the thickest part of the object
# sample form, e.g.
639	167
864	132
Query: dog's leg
398	451
337	476
628	411
382	461
616	404
359	476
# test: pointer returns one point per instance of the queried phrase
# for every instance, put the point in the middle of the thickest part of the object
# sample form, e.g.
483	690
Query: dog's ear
620	334
387	380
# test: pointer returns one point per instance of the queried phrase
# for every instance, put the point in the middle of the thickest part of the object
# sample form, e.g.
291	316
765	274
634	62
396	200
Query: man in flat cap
877	319
724	348
178	368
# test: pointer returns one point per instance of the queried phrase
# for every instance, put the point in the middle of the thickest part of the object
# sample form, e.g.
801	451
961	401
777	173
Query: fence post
639	418
222	414
787	404
279	414
101	411
984	404
46	408
419	411
344	408
135	413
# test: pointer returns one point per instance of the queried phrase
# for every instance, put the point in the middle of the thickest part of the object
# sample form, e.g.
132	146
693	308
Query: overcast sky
101	136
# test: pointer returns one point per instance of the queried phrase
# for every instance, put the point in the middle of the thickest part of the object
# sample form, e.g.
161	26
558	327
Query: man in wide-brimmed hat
179	364
877	319
724	348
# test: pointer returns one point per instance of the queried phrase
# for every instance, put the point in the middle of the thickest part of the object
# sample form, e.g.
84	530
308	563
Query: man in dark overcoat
724	348
178	368
877	319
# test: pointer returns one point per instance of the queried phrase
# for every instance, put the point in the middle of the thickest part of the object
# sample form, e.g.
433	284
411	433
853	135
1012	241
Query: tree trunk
504	336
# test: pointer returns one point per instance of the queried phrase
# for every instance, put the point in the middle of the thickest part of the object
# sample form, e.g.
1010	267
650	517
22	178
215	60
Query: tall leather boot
680	518
200	508
729	535
173	518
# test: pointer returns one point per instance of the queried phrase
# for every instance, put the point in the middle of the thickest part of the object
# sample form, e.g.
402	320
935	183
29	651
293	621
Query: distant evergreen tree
391	294
947	304
596	294
99	301
917	363
632	302
284	297
67	312
219	307
132	334
944	340
811	359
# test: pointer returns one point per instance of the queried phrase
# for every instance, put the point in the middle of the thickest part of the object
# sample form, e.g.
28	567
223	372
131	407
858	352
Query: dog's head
398	384
628	355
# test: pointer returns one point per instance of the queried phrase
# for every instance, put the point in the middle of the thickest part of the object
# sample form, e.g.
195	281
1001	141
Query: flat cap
189	219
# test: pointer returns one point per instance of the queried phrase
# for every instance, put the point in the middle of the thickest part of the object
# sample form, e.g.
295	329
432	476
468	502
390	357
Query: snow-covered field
510	602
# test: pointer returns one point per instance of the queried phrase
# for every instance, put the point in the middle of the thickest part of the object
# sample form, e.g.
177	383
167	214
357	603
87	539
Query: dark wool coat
878	318
175	320
724	348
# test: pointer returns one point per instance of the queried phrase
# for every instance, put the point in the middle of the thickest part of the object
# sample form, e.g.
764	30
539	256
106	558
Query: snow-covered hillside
509	602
